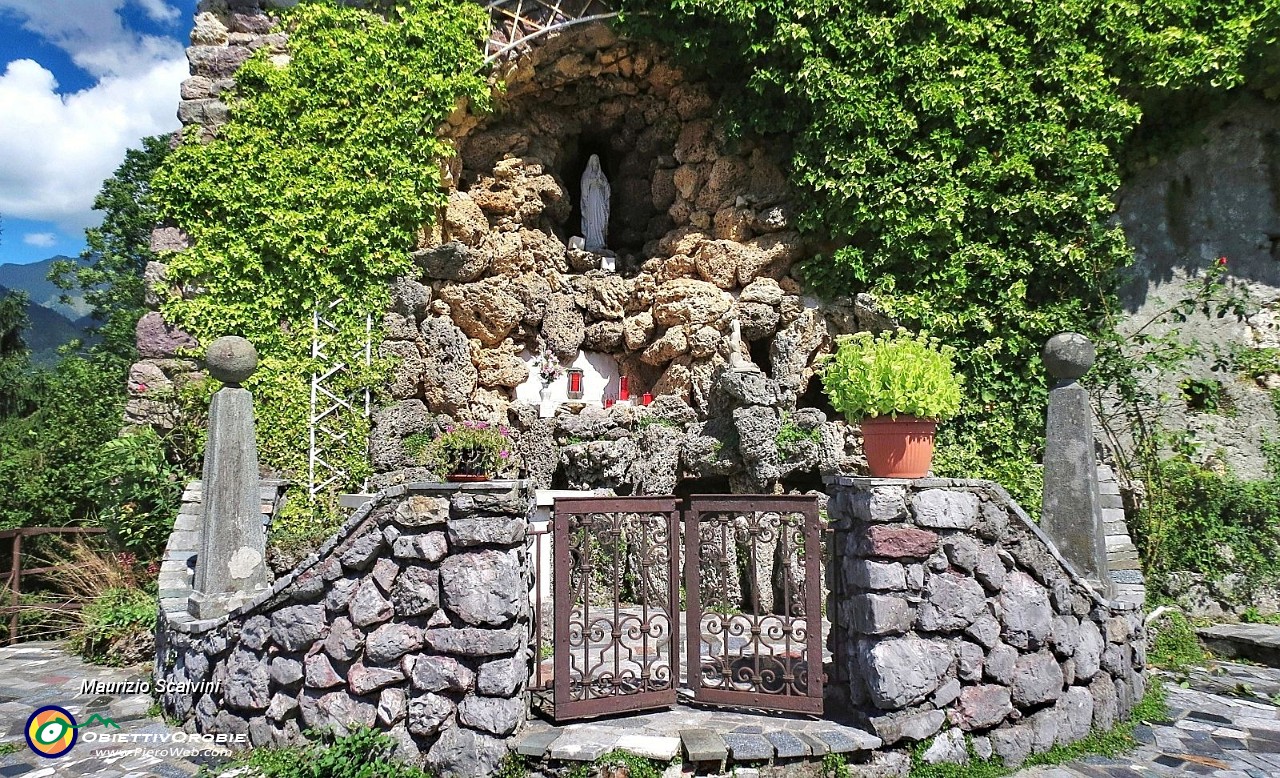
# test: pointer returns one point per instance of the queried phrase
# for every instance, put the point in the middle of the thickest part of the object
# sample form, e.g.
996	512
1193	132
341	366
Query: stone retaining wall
413	618
953	610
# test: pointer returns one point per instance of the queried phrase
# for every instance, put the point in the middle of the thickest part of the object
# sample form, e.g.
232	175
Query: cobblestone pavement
33	675
1221	723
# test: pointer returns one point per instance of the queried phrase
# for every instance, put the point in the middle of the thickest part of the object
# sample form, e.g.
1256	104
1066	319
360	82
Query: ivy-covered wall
304	180
958	160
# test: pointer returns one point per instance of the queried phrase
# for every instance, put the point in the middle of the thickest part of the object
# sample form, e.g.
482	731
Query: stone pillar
231	565
1072	512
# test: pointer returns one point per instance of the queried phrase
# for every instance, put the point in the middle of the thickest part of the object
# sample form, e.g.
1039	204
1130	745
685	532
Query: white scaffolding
333	408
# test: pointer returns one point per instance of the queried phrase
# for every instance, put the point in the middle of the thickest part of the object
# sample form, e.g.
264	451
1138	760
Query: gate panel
617	605
747	646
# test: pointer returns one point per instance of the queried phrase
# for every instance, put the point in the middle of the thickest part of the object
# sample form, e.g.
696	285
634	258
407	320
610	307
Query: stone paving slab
748	747
1221	724
742	736
1255	642
703	745
33	675
658	747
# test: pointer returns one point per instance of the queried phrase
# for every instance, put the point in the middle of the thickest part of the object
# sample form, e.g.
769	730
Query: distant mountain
47	330
33	279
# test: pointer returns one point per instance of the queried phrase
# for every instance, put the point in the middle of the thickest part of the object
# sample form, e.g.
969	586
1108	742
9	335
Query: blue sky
81	81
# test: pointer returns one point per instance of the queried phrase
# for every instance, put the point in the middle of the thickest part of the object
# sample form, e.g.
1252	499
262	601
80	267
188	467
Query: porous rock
482	588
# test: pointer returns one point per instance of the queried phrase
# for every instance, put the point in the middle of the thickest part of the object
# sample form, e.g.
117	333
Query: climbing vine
315	191
959	160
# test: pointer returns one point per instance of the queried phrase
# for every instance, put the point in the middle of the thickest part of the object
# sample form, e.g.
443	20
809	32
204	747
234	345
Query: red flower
1222	261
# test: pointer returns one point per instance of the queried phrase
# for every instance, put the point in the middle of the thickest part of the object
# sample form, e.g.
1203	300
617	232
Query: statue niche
595	206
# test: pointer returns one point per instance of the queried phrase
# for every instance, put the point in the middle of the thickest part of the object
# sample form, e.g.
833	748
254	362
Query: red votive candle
646	399
608	402
575	381
624	388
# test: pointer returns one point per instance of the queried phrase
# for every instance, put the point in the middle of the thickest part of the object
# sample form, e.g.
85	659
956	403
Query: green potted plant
469	451
898	386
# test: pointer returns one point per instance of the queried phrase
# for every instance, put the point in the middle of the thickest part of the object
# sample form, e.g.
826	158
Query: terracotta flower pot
898	448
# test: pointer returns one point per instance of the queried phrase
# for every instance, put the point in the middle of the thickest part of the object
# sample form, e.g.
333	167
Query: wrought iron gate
762	648
616	610
750	638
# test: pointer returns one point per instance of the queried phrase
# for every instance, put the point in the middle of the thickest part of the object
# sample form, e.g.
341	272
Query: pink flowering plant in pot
470	451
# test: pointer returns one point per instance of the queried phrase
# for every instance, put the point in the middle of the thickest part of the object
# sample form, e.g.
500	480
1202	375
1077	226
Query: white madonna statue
595	205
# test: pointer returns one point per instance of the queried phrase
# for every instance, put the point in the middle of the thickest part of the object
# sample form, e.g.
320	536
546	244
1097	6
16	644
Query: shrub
1201	520
790	435
137	491
118	627
1257	363
1174	644
890	374
117	624
471	447
43	455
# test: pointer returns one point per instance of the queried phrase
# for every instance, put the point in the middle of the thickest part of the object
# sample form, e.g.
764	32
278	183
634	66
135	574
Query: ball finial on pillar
232	359
1068	356
1071	514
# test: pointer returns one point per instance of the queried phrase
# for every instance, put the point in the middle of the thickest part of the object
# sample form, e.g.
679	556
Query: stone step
701	737
1133	577
1255	642
1120	544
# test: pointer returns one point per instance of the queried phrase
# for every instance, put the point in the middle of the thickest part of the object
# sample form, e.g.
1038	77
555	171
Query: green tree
46	453
13	352
120	249
61	458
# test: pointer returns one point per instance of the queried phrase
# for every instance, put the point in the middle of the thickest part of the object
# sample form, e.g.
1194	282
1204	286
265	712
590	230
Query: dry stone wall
953	611
414	619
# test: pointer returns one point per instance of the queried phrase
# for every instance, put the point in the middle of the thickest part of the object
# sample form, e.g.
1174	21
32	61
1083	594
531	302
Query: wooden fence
13	576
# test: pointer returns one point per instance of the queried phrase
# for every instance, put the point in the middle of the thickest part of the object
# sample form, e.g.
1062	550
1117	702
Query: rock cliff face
1216	197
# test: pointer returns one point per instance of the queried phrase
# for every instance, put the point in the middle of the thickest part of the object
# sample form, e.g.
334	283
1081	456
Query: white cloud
42	240
93	33
158	10
58	149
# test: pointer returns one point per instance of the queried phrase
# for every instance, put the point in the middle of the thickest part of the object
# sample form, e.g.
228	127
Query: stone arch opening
574	155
